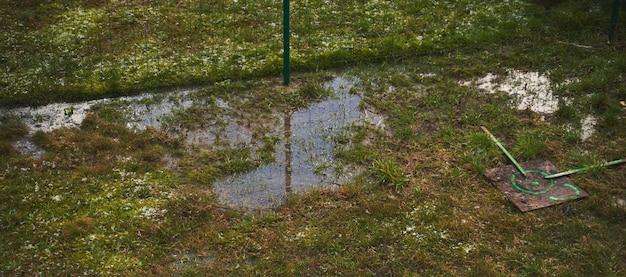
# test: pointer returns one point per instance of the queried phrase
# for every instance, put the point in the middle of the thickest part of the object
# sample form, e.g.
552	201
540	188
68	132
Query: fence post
286	35
614	19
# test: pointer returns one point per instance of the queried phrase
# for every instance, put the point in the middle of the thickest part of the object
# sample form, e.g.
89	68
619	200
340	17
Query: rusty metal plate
533	191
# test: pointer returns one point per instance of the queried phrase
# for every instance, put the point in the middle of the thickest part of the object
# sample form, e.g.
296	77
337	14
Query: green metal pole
508	155
614	19
574	171
286	46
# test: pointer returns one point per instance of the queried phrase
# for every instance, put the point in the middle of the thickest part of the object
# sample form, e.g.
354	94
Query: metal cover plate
533	191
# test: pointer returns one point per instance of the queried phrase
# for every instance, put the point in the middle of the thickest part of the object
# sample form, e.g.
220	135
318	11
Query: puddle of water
141	116
232	134
532	90
588	127
27	147
143	111
54	116
305	154
70	115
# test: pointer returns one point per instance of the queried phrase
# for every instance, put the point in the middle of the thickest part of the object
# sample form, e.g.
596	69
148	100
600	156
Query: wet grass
388	173
102	200
529	145
84	49
11	129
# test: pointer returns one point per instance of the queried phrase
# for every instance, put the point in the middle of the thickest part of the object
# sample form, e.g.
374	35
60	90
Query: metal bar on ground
286	45
579	170
508	155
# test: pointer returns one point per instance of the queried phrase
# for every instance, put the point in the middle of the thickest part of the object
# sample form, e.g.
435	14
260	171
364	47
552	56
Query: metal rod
614	19
508	155
574	171
286	44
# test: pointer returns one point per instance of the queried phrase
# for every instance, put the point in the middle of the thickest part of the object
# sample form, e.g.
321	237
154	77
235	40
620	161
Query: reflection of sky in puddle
588	127
142	111
70	115
531	90
28	147
141	116
232	134
304	156
54	116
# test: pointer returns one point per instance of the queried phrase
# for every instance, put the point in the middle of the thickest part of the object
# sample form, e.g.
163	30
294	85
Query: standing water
305	154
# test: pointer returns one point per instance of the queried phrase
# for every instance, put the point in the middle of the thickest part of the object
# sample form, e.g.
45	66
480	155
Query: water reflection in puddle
141	111
304	156
588	127
27	147
531	90
232	134
141	116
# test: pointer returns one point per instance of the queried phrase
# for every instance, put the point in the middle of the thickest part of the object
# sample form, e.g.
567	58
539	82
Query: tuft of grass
7	149
12	129
207	166
480	141
80	226
571	136
482	152
532	267
110	114
41	138
403	120
358	154
306	93
566	112
580	159
600	102
267	153
529	144
388	173
313	91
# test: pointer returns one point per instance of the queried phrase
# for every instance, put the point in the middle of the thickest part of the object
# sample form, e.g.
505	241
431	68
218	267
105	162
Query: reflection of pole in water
288	152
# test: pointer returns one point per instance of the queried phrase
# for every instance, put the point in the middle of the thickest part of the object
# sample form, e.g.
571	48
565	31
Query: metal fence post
286	35
614	19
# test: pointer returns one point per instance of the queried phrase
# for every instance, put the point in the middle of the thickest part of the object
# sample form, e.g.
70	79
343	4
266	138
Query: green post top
286	35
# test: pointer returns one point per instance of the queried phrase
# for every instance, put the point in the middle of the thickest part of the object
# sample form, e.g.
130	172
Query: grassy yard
102	200
71	50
